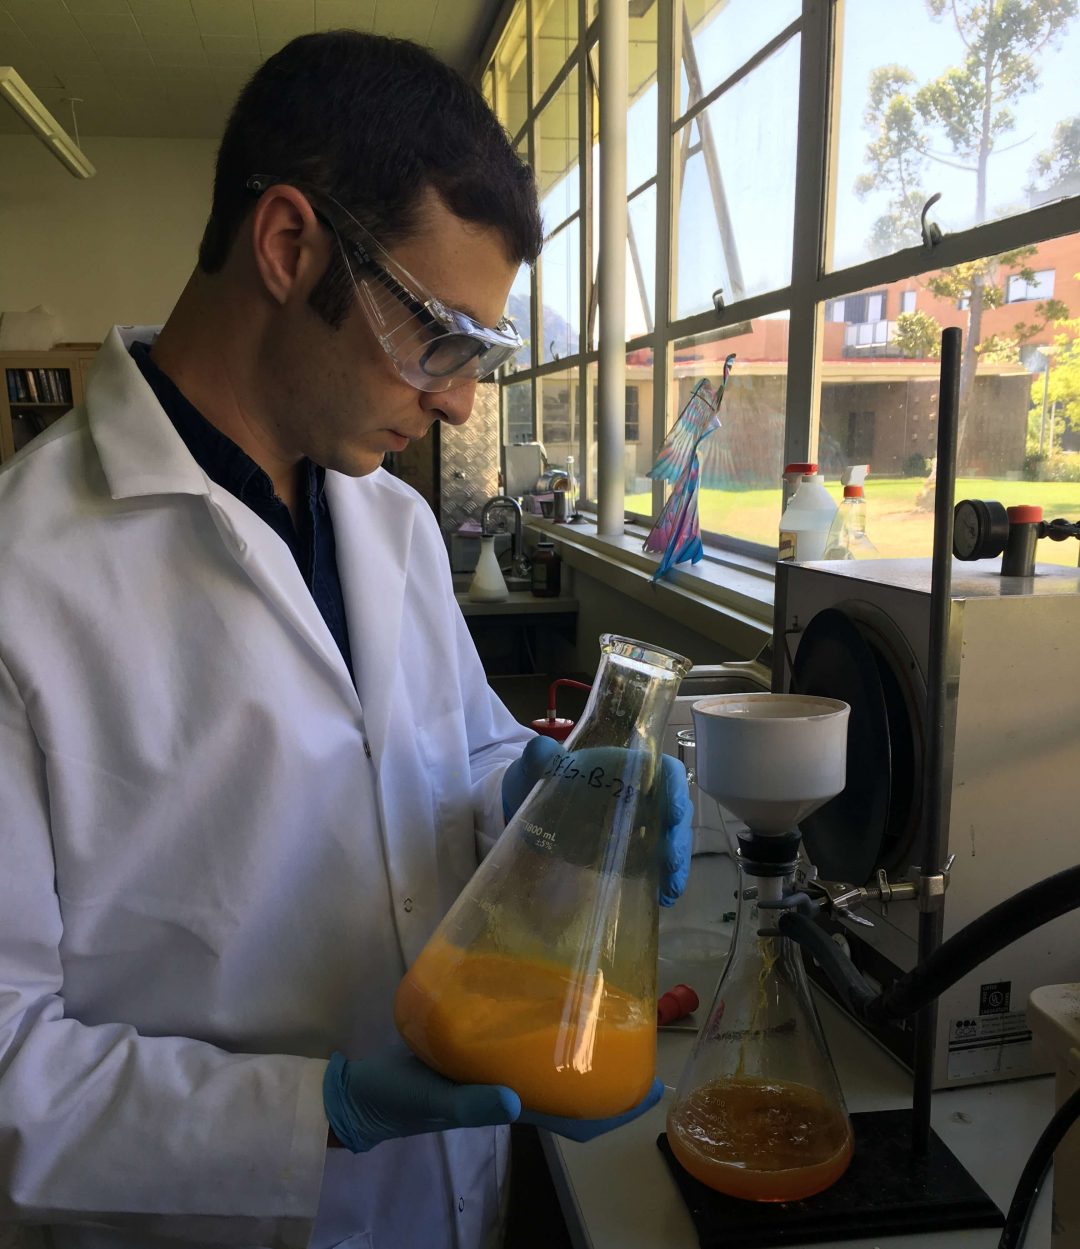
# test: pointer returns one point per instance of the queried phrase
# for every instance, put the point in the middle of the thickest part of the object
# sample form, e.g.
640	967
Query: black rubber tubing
952	960
1034	1172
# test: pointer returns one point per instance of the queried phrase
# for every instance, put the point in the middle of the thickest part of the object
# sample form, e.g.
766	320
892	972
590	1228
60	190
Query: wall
106	250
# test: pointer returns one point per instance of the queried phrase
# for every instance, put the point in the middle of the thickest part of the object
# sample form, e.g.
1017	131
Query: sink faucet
519	564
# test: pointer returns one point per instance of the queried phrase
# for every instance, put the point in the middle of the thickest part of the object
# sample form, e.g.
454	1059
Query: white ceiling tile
39	75
224	17
344	14
163	14
97	24
98	6
173	41
229	50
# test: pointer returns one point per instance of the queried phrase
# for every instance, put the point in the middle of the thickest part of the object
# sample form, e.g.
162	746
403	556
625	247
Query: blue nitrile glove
392	1093
537	761
587	1129
528	768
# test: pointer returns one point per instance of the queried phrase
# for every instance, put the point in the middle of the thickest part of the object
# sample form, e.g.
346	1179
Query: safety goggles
433	347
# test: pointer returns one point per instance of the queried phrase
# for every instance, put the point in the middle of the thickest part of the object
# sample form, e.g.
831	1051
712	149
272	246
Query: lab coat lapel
141	454
373	532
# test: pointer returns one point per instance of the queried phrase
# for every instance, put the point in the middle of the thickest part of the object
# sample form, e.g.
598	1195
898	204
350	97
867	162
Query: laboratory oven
858	630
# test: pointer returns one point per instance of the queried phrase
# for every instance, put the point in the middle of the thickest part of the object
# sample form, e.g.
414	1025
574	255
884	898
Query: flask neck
630	703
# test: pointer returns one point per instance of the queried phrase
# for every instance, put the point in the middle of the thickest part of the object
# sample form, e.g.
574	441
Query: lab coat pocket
361	1240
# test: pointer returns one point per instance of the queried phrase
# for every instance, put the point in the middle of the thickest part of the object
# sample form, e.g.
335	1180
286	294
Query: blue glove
586	1129
392	1093
676	837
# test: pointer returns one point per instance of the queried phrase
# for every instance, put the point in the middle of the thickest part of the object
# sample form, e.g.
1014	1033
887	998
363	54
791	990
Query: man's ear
288	244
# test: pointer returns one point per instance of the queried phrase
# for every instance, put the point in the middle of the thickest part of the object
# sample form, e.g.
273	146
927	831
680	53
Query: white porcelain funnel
771	758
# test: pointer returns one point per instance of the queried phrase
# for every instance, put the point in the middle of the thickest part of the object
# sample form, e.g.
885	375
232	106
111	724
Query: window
1018	289
769	209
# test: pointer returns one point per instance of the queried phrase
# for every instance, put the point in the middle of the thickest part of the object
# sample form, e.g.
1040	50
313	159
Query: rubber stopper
676	1004
1025	514
552	726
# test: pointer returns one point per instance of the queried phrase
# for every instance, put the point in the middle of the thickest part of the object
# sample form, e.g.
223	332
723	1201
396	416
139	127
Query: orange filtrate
761	1141
480	1018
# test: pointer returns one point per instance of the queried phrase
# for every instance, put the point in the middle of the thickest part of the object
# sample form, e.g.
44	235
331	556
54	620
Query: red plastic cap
676	1003
1024	514
793	469
555	727
853	492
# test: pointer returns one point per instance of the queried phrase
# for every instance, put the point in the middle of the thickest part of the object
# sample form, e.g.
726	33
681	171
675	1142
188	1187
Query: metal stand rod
931	922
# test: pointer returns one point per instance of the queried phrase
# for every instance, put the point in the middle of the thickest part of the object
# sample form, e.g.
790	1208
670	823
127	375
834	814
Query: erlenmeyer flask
542	976
758	1112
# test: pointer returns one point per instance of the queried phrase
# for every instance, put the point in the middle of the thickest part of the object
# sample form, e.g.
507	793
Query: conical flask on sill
542	976
758	1112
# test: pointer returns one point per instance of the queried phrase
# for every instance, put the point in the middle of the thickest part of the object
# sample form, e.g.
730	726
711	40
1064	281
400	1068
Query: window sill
727	597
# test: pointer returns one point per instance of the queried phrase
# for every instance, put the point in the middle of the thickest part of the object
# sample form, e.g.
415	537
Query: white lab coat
205	883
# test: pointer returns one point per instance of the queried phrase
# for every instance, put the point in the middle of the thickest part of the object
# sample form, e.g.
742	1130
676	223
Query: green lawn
893	524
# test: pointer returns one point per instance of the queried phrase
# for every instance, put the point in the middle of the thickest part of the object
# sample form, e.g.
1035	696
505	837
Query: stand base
884	1192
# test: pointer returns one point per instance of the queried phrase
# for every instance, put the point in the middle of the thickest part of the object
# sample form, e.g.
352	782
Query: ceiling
172	68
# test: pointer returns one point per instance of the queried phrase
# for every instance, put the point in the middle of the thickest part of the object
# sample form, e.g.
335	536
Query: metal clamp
931	888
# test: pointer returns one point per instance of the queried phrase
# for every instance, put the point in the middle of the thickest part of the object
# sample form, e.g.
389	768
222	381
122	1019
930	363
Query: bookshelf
37	388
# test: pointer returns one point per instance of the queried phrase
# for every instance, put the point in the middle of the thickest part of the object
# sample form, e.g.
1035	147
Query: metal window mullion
665	249
551	91
614	42
585	414
535	285
1036	226
709	320
742	72
803	393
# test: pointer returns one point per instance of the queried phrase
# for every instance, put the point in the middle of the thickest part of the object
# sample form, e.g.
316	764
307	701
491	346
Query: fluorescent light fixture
14	89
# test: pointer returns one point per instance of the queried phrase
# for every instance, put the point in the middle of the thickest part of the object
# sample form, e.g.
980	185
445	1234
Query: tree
968	109
1061	160
918	335
1061	387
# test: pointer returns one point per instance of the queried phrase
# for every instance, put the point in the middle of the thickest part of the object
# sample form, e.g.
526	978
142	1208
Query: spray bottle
847	534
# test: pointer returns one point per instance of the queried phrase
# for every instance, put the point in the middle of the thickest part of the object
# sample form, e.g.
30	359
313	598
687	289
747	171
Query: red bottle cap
675	1004
1024	514
853	492
791	469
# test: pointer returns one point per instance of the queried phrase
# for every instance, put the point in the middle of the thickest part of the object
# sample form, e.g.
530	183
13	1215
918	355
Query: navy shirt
311	543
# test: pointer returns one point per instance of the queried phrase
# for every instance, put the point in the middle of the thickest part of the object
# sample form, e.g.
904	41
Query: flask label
788	542
567	768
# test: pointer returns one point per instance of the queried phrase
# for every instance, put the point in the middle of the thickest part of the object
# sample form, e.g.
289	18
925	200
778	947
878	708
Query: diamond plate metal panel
469	461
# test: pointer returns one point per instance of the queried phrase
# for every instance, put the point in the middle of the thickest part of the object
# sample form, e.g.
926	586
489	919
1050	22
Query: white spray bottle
847	534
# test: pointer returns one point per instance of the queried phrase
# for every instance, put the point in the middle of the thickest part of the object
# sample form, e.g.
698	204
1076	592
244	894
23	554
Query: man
246	744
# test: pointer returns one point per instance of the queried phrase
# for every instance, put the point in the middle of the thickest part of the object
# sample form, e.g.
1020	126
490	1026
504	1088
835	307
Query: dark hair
372	122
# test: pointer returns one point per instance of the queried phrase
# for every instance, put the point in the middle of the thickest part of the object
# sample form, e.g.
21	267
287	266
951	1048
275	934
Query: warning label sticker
988	1045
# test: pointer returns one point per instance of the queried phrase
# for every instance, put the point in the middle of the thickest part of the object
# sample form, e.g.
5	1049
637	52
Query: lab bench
506	632
616	1192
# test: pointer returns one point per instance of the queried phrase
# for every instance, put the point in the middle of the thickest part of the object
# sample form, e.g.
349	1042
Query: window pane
560	426
518	412
736	168
911	119
510	74
641	112
720	35
560	293
557	155
555	24
519	309
1019	424
742	463
641	263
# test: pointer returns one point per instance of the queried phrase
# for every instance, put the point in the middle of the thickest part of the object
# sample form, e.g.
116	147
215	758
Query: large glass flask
542	976
758	1112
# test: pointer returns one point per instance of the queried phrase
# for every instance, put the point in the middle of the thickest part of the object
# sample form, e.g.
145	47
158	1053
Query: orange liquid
490	1019
761	1141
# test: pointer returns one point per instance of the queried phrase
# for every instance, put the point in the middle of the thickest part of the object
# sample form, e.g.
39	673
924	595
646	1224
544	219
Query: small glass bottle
542	976
758	1112
546	570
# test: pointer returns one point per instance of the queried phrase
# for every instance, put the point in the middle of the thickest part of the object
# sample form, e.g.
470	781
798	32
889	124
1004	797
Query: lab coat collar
140	451
373	526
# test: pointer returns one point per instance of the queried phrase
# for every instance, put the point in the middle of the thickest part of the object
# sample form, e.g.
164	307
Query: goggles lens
432	347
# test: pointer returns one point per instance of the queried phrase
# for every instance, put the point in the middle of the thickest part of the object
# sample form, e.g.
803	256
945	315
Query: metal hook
931	231
718	299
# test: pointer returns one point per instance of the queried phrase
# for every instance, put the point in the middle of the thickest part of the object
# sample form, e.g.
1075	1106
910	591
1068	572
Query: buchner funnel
542	976
758	1112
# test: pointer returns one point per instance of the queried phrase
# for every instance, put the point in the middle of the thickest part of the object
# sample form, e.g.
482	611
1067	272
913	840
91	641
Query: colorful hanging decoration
676	533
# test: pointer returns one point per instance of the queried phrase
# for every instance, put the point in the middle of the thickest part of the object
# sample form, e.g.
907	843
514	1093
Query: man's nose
453	406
